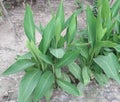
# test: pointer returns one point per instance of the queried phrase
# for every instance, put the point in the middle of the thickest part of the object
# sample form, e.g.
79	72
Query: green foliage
65	62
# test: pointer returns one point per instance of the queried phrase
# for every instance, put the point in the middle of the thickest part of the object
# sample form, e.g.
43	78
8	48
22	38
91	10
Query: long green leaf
49	94
44	85
37	53
100	32
48	34
85	75
68	87
105	10
29	26
101	78
109	65
57	30
60	13
18	66
115	8
69	57
25	56
75	70
91	23
28	84
72	28
106	43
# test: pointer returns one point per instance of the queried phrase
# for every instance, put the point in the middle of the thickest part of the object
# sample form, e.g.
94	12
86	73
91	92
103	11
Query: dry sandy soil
13	41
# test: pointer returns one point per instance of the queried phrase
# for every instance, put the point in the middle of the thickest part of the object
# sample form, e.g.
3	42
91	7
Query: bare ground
13	42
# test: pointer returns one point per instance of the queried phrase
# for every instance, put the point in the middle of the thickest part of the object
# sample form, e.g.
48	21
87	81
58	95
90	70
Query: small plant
98	58
66	61
43	64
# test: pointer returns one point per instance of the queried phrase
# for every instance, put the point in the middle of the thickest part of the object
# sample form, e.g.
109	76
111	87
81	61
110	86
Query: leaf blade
44	85
19	66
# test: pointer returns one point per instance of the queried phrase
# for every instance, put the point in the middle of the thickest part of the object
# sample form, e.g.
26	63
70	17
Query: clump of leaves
98	58
43	64
95	54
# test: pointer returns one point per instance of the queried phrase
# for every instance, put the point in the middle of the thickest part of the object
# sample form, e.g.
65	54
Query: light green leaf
75	70
18	66
68	87
69	57
48	94
60	13
28	84
115	8
109	65
40	29
58	72
101	78
48	34
105	9
58	29
66	77
85	75
38	55
29	26
58	53
106	44
72	28
44	85
25	56
91	23
100	32
117	48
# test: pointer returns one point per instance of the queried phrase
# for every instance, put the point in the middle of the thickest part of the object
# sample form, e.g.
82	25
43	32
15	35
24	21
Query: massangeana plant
98	48
44	63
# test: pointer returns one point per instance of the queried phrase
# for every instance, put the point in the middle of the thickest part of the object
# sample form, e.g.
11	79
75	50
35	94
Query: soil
13	42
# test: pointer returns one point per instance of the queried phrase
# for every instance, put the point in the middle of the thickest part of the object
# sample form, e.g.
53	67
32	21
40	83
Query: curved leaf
38	55
29	26
28	84
69	57
91	22
58	53
44	85
18	66
85	75
109	65
48	34
75	70
72	28
68	87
